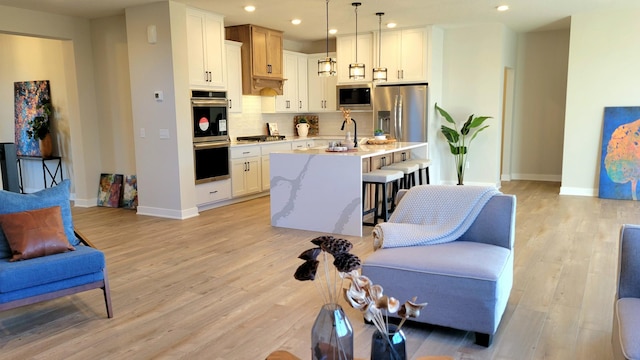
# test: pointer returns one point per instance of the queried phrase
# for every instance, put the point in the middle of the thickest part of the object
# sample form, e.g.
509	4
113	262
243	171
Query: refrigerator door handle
397	117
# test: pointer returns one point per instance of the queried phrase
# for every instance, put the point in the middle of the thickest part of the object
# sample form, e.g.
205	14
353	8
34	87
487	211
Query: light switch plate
164	133
158	95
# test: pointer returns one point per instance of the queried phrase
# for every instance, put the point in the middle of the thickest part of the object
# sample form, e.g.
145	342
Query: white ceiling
524	15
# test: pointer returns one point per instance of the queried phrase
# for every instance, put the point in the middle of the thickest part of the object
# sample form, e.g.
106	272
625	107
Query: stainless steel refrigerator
401	111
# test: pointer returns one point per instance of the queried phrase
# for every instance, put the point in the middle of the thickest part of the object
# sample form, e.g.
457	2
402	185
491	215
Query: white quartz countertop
362	151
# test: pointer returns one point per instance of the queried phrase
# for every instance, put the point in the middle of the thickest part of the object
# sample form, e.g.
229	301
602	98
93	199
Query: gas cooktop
260	138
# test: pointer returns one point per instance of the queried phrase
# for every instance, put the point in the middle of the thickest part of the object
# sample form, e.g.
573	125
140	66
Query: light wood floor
220	286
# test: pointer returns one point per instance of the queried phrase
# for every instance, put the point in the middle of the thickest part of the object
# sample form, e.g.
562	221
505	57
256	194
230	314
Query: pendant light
379	73
327	66
356	70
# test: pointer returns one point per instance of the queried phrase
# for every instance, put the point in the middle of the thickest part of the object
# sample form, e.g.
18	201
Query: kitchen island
314	189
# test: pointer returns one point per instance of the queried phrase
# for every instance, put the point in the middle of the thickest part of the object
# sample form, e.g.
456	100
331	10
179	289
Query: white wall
474	61
44	62
115	123
603	71
77	60
164	166
540	105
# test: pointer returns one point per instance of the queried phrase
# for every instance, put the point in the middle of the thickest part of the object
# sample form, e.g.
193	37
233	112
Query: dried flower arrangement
343	261
367	297
362	295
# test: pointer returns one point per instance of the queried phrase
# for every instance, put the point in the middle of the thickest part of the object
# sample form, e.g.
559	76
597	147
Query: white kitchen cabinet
322	89
346	54
234	76
205	39
294	96
404	54
245	170
266	150
302	144
213	192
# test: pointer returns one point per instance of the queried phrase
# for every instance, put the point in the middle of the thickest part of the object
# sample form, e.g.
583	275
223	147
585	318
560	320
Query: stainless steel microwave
354	97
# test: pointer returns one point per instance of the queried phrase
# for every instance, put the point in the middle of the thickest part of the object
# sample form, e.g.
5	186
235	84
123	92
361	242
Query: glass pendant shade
356	71
380	74
326	67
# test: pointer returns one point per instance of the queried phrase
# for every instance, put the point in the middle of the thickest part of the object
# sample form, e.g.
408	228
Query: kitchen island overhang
317	190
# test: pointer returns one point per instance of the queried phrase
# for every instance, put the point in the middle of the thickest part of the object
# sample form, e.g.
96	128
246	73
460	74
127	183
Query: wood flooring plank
220	286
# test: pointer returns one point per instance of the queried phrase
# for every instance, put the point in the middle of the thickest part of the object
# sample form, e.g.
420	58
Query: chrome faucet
355	132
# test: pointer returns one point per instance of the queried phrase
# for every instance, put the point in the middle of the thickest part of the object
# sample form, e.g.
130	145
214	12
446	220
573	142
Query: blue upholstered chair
41	278
625	338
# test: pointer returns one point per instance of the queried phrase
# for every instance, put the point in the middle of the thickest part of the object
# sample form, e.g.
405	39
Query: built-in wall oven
210	135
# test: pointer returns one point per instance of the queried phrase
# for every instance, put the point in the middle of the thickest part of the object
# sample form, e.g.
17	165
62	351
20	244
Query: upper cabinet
261	58
294	97
234	76
322	89
346	54
205	42
405	54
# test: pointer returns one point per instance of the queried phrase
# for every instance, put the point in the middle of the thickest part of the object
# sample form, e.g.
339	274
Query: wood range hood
261	54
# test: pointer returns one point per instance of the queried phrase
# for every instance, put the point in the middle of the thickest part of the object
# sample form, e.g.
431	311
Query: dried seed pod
321	239
311	254
336	246
345	262
307	271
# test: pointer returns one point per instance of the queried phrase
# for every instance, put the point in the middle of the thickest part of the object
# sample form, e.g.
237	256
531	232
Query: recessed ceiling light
296	21
391	25
502	8
333	31
250	8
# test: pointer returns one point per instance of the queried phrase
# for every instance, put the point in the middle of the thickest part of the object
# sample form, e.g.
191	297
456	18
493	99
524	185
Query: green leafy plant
302	121
40	125
460	141
378	132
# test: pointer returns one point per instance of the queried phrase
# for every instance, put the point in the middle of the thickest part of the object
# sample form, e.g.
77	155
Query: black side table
51	170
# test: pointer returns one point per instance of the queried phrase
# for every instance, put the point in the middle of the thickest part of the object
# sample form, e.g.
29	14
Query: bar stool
380	179
423	164
408	169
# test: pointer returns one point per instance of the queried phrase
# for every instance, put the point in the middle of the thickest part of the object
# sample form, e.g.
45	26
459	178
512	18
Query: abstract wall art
620	160
28	95
110	190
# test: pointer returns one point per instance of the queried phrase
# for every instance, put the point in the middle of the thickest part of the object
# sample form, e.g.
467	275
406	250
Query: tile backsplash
253	122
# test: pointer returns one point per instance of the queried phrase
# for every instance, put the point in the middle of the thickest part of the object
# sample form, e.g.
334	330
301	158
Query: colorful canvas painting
27	96
110	190
129	192
620	160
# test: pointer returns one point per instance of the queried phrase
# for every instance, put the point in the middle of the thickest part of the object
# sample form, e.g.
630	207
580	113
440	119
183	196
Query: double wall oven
210	135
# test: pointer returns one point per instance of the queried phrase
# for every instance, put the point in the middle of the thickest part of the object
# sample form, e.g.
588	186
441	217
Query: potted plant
40	129
460	141
379	134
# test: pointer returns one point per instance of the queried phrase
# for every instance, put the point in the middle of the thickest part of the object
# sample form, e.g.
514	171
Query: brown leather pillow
35	233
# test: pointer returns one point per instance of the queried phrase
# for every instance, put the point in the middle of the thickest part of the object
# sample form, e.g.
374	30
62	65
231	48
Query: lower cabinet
245	170
245	176
212	192
302	144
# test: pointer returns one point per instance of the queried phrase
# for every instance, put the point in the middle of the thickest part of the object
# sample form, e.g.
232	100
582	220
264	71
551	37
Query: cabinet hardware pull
300	105
213	192
246	152
230	104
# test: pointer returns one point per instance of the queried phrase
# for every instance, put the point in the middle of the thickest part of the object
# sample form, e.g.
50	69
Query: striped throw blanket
432	214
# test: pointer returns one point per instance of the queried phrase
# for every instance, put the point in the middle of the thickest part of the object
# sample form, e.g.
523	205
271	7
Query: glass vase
332	335
390	346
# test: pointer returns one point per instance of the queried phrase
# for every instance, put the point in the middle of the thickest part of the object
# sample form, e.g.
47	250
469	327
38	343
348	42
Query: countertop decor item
332	334
368	297
312	120
389	346
459	141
